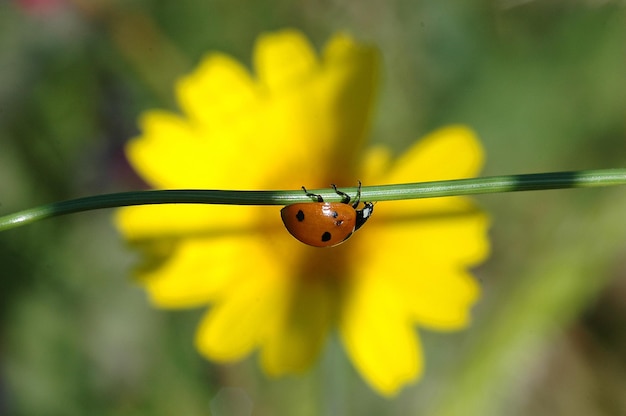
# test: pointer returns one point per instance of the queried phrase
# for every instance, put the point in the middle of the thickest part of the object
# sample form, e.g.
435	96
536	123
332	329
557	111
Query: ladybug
326	224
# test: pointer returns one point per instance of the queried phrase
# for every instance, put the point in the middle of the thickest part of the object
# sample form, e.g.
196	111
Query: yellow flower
301	119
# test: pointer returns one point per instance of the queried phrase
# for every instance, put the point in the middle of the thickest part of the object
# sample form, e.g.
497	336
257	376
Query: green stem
493	184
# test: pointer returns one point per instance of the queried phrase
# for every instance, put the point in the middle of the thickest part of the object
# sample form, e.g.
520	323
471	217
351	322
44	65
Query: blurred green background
543	83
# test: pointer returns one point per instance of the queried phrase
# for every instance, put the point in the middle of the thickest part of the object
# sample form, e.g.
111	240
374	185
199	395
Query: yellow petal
300	328
443	303
174	153
451	152
431	282
426	259
167	154
324	107
288	324
351	83
434	240
378	335
171	221
217	92
454	232
201	269
237	324
374	165
284	59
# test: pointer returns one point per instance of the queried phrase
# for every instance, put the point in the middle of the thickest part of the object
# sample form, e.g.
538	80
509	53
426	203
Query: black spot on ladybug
326	236
335	214
300	216
338	223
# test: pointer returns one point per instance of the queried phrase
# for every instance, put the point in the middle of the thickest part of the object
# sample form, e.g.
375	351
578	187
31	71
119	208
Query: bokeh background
543	83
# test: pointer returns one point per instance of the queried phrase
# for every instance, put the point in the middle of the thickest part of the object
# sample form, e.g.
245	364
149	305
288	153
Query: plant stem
493	184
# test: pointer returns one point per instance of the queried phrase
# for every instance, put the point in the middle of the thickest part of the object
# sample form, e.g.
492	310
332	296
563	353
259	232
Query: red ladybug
325	224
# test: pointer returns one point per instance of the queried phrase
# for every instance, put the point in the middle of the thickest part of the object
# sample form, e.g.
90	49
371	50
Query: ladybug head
362	215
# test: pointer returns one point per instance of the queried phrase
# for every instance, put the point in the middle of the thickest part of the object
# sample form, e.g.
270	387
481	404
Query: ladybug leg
345	198
358	197
317	197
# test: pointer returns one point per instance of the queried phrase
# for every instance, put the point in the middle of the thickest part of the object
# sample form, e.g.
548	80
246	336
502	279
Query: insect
326	224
